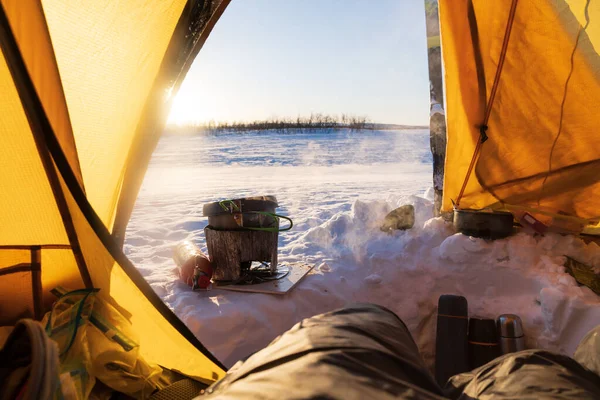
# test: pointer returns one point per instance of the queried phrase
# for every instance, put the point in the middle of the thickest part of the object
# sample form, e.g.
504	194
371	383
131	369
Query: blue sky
284	58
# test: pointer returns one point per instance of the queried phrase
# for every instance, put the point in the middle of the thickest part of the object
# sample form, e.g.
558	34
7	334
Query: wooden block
229	249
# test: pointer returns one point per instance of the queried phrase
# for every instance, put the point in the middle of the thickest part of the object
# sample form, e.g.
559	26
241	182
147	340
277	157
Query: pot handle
231	204
273	216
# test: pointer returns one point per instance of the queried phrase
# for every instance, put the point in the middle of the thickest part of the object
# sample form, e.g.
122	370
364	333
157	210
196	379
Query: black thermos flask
451	338
483	342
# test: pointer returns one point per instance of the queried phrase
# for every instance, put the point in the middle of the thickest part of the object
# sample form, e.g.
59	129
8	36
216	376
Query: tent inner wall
542	151
66	182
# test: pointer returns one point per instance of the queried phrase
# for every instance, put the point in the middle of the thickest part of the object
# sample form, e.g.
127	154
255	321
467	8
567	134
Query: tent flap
78	80
542	151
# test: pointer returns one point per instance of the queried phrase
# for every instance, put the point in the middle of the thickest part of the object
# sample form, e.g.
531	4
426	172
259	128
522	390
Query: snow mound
406	271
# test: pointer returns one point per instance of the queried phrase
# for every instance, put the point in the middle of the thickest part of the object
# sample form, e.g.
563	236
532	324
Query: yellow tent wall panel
10	257
543	150
34	41
28	211
65	273
108	55
159	341
15	296
75	79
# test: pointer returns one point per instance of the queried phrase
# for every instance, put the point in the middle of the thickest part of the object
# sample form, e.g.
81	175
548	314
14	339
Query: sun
192	106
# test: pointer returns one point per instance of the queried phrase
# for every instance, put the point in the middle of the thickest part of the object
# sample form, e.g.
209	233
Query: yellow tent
543	151
85	87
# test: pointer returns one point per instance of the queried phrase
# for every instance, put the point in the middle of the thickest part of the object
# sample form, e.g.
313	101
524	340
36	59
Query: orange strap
483	343
488	110
453	316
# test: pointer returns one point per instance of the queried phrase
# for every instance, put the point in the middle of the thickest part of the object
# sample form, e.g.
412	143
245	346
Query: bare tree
284	125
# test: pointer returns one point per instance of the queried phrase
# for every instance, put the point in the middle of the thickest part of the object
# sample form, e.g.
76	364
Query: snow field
338	187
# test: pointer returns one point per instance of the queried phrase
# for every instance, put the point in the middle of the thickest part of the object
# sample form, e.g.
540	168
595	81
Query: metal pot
483	224
241	214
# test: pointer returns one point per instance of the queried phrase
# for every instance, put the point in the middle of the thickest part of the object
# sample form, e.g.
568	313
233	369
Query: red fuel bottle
194	267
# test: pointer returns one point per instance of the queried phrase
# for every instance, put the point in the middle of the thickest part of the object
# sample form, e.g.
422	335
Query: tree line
313	121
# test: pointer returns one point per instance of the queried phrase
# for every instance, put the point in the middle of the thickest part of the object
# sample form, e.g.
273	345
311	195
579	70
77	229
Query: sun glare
189	108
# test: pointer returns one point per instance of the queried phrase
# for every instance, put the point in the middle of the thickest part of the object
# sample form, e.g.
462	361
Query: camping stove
241	231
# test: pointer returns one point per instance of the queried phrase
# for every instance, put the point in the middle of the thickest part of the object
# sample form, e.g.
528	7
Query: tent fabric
32	34
197	20
86	88
115	65
28	210
542	152
77	80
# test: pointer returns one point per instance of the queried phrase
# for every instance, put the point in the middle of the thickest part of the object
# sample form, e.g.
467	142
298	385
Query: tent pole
437	118
36	281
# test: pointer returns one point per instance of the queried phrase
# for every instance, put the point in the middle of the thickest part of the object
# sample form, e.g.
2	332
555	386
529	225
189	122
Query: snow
337	187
